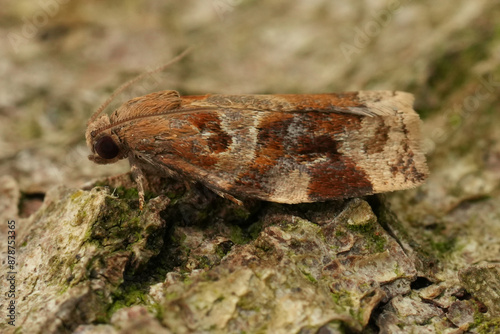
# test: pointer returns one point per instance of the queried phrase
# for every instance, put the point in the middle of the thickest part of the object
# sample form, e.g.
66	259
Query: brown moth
279	148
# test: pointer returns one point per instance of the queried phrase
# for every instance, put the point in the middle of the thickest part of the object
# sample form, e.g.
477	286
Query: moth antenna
134	80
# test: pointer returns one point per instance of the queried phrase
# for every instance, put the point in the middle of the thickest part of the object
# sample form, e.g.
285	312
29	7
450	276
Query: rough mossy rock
73	255
192	262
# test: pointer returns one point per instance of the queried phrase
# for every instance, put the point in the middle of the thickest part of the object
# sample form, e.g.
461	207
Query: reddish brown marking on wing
270	149
310	146
209	122
315	134
204	120
272	134
219	143
198	138
336	175
337	179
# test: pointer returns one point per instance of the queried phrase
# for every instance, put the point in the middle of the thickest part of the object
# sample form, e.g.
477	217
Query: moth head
105	145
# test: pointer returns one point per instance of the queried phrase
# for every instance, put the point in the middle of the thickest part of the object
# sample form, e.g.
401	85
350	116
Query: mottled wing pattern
290	148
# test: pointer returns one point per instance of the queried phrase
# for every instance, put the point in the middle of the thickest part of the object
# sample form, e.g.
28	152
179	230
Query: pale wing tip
395	95
396	107
386	103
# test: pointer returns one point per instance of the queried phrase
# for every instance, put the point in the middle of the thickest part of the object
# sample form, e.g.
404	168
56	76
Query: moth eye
106	148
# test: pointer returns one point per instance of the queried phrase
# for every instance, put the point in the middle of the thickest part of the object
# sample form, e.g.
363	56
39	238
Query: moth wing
295	148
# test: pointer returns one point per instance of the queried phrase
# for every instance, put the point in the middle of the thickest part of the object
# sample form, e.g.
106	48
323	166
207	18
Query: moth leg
233	199
227	196
140	180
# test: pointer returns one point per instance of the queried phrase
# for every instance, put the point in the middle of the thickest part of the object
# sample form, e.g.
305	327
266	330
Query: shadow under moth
280	148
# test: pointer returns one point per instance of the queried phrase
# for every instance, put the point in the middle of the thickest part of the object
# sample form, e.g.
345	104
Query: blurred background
60	59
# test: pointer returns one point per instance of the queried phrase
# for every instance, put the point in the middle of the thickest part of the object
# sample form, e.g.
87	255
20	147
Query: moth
279	148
